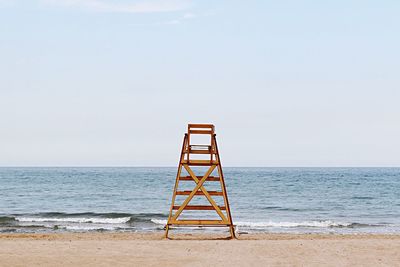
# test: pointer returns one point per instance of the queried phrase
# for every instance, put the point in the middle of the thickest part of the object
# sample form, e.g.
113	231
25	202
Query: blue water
300	200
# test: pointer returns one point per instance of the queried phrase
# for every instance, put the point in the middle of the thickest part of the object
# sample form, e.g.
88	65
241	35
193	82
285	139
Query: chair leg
166	231
232	230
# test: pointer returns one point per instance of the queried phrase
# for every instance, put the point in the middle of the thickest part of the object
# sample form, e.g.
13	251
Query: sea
138	199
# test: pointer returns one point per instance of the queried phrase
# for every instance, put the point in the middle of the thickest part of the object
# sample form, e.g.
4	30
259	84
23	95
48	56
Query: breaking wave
304	224
75	219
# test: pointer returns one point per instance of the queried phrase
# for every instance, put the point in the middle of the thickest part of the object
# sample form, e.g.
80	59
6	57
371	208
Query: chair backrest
201	129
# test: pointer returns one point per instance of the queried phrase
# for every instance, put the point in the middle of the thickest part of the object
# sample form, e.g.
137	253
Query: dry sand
121	249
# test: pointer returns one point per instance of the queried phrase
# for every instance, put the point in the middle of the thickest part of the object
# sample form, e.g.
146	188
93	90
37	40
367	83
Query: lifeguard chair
213	165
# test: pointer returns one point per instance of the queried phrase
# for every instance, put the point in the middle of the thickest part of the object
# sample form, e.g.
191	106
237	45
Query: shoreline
191	236
152	249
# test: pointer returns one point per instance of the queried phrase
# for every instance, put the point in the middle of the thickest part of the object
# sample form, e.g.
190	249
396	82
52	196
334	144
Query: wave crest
157	221
75	220
320	224
304	224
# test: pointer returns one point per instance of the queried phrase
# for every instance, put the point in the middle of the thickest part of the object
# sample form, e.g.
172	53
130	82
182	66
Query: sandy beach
130	249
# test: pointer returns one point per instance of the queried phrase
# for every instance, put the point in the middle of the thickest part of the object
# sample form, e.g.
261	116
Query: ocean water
289	200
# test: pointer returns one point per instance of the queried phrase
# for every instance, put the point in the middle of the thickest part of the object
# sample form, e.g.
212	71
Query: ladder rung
198	151
198	207
209	178
199	125
200	146
199	162
199	222
211	193
200	132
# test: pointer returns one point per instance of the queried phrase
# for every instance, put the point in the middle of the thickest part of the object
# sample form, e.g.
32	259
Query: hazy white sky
114	83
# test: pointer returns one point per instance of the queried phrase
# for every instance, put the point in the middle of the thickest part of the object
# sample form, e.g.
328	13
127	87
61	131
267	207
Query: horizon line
126	166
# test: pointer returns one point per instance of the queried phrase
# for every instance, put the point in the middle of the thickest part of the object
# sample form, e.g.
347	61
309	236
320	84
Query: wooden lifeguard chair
212	163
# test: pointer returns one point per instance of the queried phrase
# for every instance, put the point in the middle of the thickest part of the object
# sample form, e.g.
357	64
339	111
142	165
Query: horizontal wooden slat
209	178
202	146
195	125
200	132
211	193
199	151
198	207
199	222
198	162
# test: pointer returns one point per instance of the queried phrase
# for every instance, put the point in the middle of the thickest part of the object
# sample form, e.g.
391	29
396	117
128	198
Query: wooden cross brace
199	185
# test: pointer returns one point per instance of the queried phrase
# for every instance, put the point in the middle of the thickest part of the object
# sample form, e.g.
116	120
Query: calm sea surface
300	200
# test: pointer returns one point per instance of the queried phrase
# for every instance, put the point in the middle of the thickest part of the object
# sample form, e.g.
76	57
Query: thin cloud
175	21
122	6
189	16
6	3
186	16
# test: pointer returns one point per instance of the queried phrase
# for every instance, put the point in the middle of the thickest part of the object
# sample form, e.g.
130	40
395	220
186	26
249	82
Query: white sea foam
156	221
75	220
321	224
88	228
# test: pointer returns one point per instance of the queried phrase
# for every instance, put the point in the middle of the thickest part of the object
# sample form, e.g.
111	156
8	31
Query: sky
115	82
